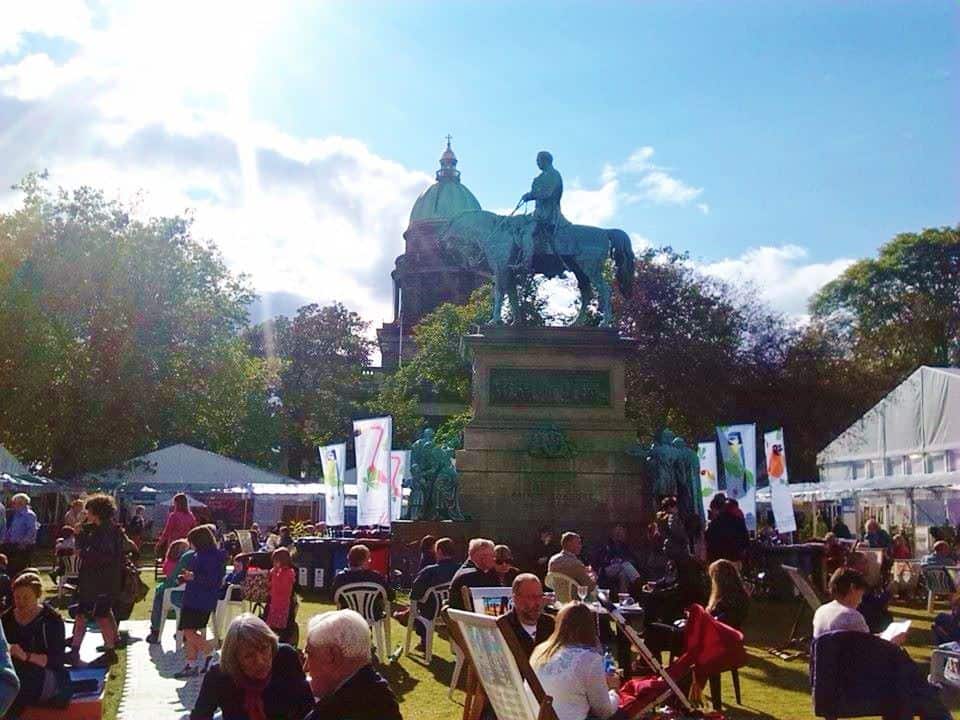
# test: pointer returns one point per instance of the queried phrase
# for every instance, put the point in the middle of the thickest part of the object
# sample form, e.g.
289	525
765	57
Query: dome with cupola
447	197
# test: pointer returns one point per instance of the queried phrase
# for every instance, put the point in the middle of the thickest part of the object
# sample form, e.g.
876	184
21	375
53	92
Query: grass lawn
771	688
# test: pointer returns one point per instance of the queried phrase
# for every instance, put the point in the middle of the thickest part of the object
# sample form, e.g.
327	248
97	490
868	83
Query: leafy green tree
113	329
438	371
901	309
322	384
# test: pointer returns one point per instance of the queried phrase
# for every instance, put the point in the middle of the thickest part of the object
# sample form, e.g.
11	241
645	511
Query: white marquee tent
182	467
913	431
9	464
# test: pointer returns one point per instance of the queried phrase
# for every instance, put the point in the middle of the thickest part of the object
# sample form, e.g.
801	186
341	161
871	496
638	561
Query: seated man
440	572
477	571
876	536
567	561
941	555
847	587
530	624
342	677
358	571
615	562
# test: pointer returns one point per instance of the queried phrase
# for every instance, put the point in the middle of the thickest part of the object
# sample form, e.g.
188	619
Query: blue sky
774	141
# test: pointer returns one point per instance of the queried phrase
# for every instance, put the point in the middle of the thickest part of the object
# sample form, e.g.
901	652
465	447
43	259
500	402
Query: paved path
150	691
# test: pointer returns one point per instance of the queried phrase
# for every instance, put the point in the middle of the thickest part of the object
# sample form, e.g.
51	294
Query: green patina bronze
675	471
435	489
550	441
549	388
515	247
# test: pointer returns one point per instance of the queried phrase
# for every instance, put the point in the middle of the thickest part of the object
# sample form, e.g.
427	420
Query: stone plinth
573	378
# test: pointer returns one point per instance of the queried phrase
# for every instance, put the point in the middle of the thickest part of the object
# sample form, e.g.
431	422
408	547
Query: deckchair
797	644
653	690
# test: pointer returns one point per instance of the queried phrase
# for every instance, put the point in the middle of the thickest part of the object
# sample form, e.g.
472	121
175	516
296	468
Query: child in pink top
282	578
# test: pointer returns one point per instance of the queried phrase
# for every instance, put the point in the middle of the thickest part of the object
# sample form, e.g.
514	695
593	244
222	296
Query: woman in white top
569	665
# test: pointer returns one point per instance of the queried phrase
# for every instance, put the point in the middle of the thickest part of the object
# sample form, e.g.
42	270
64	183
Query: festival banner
709	484
333	462
780	497
738	447
399	471
372	439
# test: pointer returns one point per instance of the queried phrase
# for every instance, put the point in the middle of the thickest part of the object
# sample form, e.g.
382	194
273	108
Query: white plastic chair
227	610
563	585
169	606
441	595
362	597
71	572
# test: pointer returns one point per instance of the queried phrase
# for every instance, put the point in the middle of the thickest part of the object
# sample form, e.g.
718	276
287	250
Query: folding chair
811	601
563	585
362	597
938	582
651	691
441	595
70	574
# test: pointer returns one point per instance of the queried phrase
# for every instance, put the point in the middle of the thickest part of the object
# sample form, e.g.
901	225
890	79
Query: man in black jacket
342	677
477	571
437	574
726	536
358	571
529	623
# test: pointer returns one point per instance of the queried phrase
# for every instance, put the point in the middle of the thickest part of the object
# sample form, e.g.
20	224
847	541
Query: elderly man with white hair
477	571
342	677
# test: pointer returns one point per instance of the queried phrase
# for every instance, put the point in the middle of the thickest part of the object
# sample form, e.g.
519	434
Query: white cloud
704	208
781	274
663	189
592	207
319	217
69	19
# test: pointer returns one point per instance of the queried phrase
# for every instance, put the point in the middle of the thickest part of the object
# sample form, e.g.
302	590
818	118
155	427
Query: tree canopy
115	332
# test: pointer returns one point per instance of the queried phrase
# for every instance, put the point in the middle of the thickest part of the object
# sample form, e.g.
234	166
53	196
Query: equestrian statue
515	247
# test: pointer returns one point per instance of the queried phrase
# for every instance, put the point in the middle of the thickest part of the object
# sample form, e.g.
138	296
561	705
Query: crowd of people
258	671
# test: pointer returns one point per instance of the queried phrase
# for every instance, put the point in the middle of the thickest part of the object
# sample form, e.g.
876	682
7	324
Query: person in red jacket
180	521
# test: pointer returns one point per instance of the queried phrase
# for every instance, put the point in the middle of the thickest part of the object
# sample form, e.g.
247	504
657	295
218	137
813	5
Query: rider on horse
546	191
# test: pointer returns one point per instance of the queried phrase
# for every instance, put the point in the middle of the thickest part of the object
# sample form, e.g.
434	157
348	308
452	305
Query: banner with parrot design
780	497
709	484
373	439
399	471
738	446
333	462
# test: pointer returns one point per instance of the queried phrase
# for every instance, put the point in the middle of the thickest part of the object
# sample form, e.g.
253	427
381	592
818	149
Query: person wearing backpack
100	581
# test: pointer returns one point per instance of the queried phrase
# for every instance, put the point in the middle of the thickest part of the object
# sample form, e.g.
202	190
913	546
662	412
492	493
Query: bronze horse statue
481	239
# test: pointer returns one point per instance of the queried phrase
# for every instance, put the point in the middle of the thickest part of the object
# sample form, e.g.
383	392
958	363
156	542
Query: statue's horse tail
623	259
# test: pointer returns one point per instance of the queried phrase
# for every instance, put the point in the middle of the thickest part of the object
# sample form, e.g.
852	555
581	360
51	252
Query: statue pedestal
570	378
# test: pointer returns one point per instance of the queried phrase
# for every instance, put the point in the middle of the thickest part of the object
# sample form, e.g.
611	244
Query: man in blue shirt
21	534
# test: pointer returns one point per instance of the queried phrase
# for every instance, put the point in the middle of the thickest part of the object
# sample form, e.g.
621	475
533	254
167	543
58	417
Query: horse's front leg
496	314
606	308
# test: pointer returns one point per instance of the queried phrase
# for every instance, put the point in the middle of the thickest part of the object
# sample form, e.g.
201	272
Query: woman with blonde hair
729	600
257	677
569	665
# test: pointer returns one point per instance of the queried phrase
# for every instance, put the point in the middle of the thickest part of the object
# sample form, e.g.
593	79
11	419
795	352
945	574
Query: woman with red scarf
257	677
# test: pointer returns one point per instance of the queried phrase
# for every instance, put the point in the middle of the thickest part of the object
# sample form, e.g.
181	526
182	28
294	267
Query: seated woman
173	563
834	556
257	677
875	601
901	547
36	635
503	565
729	601
569	665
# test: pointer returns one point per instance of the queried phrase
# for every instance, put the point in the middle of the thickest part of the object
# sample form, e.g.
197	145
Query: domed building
422	278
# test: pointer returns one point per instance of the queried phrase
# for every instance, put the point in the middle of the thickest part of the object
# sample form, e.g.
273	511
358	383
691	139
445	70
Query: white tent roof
9	464
836	489
182	465
919	416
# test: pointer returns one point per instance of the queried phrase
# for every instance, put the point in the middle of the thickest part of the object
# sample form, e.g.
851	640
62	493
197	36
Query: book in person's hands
894	629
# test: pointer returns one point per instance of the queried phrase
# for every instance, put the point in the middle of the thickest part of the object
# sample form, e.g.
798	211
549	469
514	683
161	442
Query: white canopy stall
901	460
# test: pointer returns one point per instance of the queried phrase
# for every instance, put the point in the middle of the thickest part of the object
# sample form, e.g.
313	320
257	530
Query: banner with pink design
399	470
372	439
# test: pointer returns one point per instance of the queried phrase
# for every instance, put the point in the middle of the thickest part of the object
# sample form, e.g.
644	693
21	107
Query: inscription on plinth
549	388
